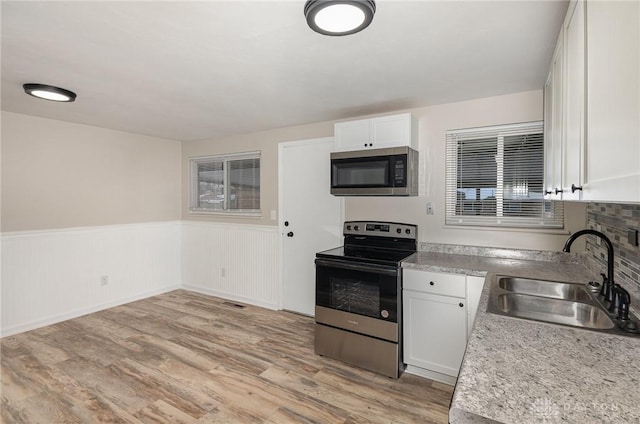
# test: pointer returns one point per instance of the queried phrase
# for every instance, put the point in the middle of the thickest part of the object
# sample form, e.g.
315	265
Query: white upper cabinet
553	124
592	104
612	169
574	104
377	133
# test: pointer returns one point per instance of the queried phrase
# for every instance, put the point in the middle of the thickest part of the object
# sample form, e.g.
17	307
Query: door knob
286	223
290	234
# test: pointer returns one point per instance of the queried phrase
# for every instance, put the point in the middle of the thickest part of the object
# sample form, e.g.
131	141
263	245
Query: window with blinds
495	177
229	183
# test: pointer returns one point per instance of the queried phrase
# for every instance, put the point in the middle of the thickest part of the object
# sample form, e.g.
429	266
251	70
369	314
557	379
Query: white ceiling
195	70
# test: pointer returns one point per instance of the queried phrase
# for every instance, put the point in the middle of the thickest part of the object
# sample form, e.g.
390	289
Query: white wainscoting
236	262
53	275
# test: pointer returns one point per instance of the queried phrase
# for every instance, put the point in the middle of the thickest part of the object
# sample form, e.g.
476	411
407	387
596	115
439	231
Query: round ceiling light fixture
49	92
339	17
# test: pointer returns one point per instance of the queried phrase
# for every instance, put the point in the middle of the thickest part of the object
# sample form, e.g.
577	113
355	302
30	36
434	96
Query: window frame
194	207
552	213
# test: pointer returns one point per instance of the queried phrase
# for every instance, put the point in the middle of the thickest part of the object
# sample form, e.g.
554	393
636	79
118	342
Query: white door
310	218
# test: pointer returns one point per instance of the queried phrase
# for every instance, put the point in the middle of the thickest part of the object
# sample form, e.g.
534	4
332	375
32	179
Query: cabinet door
352	135
548	140
435	331
613	101
557	129
377	133
392	131
574	77
553	124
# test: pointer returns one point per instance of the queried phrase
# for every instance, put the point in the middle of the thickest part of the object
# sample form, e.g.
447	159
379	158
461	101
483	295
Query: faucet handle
624	300
615	298
605	283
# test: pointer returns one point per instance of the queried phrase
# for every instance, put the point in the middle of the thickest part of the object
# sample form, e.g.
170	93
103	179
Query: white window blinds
229	183
495	177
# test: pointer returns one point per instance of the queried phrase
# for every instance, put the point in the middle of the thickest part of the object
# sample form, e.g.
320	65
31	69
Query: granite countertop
520	371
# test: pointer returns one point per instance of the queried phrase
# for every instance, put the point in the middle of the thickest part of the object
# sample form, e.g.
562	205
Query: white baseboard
432	375
231	297
21	328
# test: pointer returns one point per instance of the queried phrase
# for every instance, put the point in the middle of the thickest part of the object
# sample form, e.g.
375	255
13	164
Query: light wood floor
183	357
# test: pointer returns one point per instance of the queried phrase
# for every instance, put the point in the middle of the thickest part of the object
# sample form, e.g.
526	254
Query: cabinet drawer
434	282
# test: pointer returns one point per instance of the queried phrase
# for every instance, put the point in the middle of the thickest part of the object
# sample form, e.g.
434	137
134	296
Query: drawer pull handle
461	304
431	283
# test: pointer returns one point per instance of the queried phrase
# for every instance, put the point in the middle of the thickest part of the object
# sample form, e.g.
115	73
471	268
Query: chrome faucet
607	284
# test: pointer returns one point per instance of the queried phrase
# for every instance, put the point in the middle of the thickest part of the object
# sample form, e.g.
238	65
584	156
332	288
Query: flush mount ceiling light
339	17
49	92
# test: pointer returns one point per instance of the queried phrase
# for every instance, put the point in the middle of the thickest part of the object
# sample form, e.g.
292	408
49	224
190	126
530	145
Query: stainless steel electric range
358	296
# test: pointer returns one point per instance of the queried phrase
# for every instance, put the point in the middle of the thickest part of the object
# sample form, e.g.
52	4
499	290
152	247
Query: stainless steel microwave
375	172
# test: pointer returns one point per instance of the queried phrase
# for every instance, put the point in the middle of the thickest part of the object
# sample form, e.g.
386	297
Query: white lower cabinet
438	315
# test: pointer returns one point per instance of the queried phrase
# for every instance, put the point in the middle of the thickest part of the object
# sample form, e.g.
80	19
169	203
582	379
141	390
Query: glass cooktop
366	254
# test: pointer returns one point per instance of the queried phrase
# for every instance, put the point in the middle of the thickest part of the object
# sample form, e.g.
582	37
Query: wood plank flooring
183	357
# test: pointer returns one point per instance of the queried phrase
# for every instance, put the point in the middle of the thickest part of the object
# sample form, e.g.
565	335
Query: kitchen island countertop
521	371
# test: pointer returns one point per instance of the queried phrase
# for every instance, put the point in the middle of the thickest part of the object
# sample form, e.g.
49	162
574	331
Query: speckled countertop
520	371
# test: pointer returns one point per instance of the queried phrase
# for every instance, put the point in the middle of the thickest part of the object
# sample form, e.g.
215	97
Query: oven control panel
380	229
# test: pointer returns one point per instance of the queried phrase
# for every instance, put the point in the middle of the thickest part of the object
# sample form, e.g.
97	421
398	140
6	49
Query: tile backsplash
615	220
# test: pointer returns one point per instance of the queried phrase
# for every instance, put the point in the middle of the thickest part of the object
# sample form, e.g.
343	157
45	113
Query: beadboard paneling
237	262
54	275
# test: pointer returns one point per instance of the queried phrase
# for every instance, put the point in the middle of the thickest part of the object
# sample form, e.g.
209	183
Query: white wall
53	275
238	262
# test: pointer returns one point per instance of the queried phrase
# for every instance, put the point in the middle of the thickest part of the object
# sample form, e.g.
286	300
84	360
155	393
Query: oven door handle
377	269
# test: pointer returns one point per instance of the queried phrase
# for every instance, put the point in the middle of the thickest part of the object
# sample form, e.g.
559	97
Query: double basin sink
550	301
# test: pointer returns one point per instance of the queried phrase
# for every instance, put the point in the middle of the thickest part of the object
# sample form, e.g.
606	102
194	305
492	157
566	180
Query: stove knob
399	230
356	228
408	231
349	227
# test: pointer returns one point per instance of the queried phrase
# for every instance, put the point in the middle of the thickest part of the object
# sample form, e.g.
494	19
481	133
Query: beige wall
267	143
434	121
59	175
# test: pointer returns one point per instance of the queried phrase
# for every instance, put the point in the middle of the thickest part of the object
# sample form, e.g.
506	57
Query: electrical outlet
429	208
104	280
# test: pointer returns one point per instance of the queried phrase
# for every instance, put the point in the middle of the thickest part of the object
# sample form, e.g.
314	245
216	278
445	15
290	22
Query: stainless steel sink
554	302
576	314
552	289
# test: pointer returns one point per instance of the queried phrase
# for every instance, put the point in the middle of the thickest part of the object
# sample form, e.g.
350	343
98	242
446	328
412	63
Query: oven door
358	297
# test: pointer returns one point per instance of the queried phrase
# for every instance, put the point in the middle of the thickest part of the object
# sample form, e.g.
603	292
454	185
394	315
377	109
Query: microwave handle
378	269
